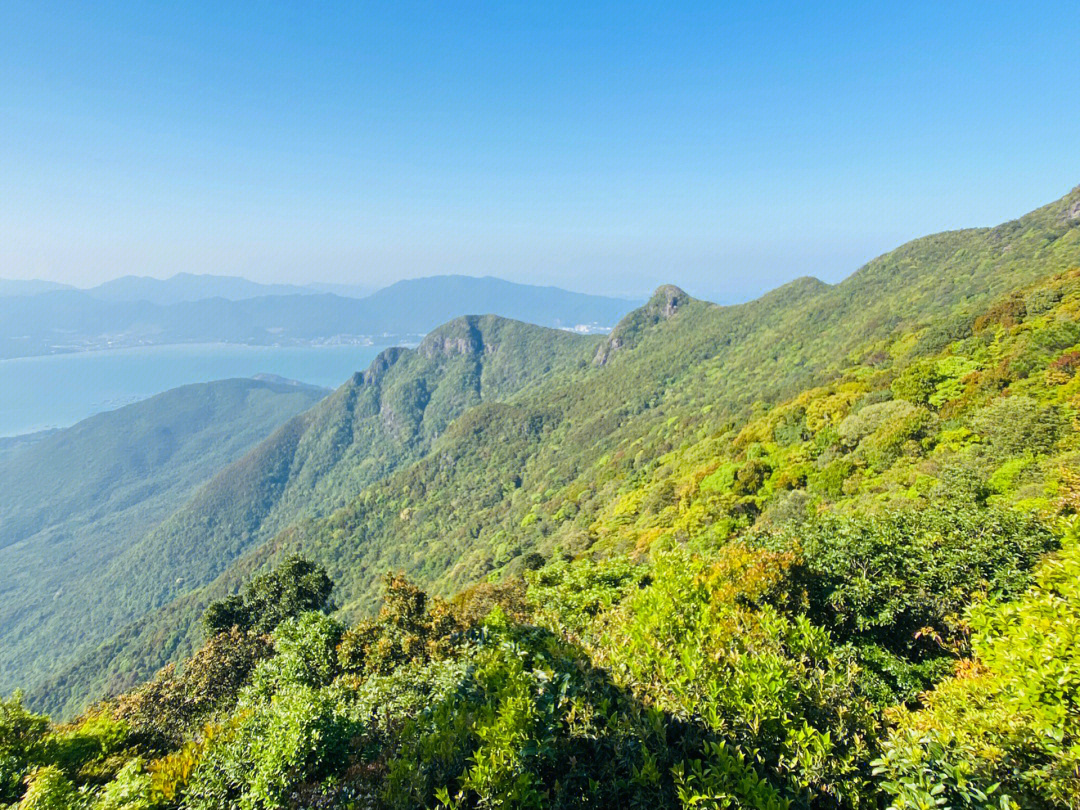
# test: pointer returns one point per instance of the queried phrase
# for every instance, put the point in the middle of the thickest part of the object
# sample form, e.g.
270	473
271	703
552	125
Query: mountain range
135	311
825	541
432	460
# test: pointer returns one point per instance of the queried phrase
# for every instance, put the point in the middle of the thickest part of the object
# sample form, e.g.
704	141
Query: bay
39	393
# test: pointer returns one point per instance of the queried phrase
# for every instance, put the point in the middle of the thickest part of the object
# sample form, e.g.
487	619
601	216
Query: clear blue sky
606	147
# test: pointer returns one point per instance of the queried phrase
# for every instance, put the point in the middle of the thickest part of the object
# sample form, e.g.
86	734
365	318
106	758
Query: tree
294	587
21	735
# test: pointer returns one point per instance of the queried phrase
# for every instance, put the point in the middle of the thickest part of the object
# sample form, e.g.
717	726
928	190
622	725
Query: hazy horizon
732	294
605	149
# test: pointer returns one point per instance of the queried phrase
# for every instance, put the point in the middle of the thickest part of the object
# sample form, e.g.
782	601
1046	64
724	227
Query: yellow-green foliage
856	444
704	642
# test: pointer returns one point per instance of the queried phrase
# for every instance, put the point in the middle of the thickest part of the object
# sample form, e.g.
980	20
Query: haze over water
37	393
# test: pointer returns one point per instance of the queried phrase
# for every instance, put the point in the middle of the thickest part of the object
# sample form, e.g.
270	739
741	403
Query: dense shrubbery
173	703
902	579
295	586
768	675
1005	730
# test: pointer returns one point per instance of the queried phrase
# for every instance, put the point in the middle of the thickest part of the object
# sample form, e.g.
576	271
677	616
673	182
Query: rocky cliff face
1072	210
379	366
459	336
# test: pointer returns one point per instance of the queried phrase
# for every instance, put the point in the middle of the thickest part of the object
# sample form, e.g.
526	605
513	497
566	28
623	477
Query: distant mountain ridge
74	320
74	499
186	287
181	287
429	298
33	286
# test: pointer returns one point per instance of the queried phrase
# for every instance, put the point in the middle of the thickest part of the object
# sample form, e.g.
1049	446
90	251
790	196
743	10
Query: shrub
295	586
703	643
893	436
721	778
271	749
917	382
867	420
131	789
305	653
570	595
830	479
1006	313
475	603
903	579
791	428
86	750
1005	731
750	477
173	703
411	627
48	788
1042	300
529	723
22	735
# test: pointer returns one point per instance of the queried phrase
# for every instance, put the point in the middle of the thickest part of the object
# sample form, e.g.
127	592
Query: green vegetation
74	500
380	420
815	551
585	444
296	586
686	679
1005	729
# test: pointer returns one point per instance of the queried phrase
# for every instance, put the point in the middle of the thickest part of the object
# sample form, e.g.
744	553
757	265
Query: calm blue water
56	391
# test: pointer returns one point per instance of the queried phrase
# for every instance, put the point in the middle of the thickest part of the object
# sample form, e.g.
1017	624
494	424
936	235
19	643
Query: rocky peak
459	336
380	365
1072	206
665	303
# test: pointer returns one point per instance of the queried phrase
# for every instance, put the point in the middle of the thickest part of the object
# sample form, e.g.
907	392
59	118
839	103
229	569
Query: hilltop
414	466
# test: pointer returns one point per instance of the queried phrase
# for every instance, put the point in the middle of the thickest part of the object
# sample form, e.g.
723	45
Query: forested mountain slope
849	580
10	446
683	372
76	499
93	464
382	418
540	469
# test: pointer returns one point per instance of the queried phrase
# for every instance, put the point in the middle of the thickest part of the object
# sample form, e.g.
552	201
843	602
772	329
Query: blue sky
606	147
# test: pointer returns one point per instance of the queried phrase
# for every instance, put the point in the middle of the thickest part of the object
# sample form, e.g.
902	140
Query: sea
55	391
